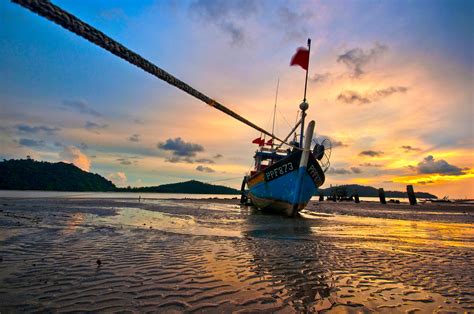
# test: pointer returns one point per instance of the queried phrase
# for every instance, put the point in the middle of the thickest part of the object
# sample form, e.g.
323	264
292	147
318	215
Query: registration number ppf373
276	172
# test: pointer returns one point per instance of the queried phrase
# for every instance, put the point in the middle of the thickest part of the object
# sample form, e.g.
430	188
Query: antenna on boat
274	111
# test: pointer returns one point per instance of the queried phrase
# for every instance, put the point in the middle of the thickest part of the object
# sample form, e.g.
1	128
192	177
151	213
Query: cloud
334	143
429	166
205	169
36	129
217	156
94	127
134	138
74	155
205	161
368	164
124	161
181	148
118	178
30	143
425	182
336	171
340	171
175	159
83	146
320	77
357	59
292	22
351	97
370	153
382	93
81	107
228	16
409	148
127	161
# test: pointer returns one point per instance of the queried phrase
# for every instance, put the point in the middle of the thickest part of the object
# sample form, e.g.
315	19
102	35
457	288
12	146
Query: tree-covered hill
28	174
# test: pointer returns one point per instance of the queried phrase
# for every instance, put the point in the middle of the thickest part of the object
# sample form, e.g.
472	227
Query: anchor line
68	21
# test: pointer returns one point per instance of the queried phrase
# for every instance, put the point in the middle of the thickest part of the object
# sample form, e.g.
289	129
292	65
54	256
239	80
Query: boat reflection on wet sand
349	263
213	255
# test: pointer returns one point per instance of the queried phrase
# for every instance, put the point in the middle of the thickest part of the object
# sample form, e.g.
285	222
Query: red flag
260	141
269	142
301	58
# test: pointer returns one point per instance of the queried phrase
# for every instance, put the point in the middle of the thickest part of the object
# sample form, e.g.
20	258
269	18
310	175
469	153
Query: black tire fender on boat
243	193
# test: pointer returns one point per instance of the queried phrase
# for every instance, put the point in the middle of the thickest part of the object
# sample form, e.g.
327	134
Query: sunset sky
391	83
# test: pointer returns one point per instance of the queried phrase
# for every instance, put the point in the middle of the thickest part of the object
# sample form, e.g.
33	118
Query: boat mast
304	105
274	111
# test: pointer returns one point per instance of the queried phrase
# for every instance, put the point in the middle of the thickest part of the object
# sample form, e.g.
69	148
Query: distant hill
192	187
368	191
28	174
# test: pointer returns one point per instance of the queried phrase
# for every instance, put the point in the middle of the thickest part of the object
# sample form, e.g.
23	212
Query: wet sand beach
215	256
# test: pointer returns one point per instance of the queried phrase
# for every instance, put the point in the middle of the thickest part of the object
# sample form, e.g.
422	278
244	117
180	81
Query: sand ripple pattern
49	251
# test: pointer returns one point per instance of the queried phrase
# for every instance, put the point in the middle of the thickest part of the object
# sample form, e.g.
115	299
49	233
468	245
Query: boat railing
325	162
273	150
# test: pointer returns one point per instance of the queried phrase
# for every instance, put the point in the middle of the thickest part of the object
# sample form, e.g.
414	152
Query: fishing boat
283	180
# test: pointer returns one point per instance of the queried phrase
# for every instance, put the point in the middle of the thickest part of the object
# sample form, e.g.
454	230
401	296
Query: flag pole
304	105
307	70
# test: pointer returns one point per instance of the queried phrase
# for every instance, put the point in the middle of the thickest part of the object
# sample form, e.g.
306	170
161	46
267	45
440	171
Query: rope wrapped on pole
57	15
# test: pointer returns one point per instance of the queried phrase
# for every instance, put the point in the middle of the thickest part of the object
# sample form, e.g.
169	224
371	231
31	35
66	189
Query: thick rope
57	15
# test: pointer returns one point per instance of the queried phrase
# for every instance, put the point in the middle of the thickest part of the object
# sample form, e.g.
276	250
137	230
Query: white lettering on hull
279	171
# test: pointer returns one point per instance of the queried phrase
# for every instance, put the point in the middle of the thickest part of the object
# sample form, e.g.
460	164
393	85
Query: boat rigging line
290	134
68	21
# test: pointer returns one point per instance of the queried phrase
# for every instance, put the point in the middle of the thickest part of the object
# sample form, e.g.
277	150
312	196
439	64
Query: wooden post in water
382	196
321	197
411	195
356	198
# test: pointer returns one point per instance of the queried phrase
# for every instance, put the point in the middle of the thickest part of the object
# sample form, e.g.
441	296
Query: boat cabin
265	157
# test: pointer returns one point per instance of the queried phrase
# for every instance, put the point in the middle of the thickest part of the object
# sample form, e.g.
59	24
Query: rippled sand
213	255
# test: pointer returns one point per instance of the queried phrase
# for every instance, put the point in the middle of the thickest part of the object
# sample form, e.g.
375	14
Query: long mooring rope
57	15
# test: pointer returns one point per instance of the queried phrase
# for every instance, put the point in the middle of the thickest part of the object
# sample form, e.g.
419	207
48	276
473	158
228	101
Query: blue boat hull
275	187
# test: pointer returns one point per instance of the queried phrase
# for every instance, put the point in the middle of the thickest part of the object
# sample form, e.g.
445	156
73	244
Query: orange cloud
74	155
118	178
432	179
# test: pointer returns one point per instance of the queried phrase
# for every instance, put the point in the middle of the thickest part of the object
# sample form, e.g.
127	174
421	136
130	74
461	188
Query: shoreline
205	255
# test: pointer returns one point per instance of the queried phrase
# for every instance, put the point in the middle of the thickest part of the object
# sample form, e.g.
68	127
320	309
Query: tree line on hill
29	174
